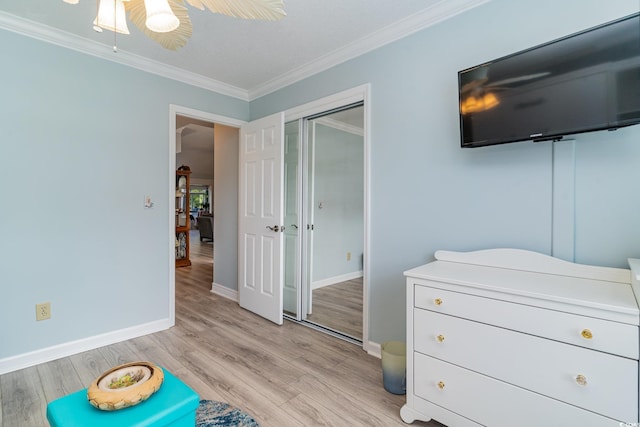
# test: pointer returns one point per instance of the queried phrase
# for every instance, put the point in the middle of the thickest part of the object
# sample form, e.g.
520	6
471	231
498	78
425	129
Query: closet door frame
347	97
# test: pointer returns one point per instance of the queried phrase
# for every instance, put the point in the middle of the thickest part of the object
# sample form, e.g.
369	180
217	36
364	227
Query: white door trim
357	94
350	96
175	110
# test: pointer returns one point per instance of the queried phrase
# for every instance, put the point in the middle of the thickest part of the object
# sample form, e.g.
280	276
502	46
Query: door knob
294	226
275	228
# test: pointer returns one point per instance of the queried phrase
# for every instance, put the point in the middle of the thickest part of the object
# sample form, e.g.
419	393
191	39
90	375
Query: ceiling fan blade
172	40
519	79
270	10
481	82
473	84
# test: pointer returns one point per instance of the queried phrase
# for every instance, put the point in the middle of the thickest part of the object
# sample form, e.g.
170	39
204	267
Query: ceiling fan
167	21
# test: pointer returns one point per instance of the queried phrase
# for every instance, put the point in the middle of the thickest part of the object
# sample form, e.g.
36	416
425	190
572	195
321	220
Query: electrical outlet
43	311
348	256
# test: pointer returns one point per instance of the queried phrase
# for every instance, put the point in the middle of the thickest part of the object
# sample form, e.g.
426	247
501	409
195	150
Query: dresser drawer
494	403
598	334
544	366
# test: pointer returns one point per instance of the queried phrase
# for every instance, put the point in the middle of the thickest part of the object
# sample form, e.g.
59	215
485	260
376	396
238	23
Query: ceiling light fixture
167	21
111	16
160	17
474	104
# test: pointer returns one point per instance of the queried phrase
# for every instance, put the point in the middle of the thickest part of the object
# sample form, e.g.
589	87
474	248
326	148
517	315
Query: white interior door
260	263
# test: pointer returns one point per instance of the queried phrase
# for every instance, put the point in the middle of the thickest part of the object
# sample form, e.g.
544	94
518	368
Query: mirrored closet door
324	221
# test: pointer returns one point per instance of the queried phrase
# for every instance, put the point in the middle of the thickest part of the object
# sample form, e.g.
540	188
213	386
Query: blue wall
429	194
338	185
83	141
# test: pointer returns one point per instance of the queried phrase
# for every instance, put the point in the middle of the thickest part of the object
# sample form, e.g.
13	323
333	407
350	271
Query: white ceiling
196	151
240	58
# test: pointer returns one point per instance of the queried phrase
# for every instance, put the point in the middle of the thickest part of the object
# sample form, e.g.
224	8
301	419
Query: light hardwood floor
287	375
339	307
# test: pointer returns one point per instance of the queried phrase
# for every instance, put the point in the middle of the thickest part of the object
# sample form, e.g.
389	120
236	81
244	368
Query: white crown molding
439	12
344	127
58	37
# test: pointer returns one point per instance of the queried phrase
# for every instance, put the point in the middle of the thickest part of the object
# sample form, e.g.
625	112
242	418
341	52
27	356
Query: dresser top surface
562	283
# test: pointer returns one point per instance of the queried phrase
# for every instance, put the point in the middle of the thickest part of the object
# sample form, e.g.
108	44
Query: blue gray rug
217	414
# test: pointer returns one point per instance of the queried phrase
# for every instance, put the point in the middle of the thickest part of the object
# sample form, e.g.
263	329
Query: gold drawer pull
581	380
441	385
437	301
586	334
440	338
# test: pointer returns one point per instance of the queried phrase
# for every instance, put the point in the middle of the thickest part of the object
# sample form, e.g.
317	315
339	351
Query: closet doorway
324	213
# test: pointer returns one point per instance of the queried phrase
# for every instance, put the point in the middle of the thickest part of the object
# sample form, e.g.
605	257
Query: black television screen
583	82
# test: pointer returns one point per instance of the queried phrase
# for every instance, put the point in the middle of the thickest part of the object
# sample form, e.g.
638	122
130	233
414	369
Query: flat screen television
584	82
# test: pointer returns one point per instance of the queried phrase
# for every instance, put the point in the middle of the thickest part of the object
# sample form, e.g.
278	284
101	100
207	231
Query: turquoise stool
173	405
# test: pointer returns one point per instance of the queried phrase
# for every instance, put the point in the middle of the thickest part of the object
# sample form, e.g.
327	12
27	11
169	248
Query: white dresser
507	337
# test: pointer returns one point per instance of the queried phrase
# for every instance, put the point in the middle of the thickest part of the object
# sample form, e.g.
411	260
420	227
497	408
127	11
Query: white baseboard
25	360
223	291
373	349
336	279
